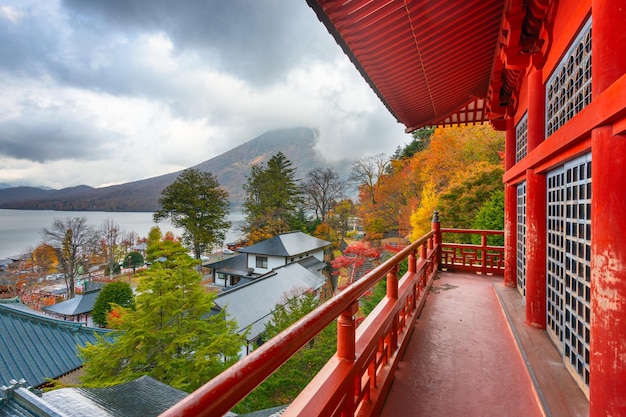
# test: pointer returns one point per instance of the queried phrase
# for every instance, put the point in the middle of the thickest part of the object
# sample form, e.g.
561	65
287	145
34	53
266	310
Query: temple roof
438	62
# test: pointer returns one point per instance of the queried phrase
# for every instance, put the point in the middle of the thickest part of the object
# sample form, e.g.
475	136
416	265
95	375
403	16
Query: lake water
21	229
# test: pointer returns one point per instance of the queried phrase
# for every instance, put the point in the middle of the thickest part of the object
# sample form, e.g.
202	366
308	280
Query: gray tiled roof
252	304
81	304
37	348
142	397
287	244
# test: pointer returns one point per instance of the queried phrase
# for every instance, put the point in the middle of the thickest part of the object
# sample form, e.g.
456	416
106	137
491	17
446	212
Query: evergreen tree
171	336
273	199
196	202
491	217
117	292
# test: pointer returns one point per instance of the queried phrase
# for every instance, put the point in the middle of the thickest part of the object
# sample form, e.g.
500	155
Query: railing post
392	283
346	333
436	227
483	249
412	262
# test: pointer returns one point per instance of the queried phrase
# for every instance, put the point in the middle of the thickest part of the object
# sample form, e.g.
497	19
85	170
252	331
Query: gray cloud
91	82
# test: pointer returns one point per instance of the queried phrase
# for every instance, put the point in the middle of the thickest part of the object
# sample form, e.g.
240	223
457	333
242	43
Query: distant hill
230	168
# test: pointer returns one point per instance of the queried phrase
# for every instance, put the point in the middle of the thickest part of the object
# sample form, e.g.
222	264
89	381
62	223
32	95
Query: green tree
273	199
117	292
289	380
491	217
171	336
133	260
196	203
75	243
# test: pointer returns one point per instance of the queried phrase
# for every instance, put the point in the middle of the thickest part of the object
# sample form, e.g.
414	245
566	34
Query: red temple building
552	75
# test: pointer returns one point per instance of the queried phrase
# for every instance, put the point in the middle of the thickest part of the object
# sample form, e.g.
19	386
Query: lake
21	229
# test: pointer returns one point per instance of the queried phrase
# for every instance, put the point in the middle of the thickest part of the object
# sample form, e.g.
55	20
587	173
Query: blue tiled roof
38	348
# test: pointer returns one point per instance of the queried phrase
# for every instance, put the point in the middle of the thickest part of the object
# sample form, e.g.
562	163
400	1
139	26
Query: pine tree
273	199
171	336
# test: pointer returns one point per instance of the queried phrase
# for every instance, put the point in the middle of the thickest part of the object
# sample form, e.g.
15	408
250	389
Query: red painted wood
536	249
510	235
536	109
607	388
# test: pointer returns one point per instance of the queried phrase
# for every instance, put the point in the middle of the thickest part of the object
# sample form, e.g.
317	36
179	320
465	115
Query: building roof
80	304
287	244
438	63
38	348
142	397
252	304
237	264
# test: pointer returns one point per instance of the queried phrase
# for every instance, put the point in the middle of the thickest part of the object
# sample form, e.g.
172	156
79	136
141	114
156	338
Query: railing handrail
216	397
472	231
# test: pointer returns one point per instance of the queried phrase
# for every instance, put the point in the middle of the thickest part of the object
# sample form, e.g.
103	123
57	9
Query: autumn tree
172	335
75	242
114	293
273	199
353	259
340	215
196	203
322	187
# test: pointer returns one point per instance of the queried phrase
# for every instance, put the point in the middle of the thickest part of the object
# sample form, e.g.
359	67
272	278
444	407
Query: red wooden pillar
607	395
536	109
510	235
535	249
435	225
510	210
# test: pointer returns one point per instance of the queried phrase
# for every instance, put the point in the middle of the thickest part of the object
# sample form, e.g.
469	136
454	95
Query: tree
421	218
340	215
273	199
353	258
196	203
111	237
74	242
133	260
367	171
289	380
117	292
322	187
171	336
491	217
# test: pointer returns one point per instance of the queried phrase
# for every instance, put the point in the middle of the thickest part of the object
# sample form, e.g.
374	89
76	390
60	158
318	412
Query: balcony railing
355	381
481	258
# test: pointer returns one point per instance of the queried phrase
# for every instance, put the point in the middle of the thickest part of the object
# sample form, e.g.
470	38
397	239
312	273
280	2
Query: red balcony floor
463	359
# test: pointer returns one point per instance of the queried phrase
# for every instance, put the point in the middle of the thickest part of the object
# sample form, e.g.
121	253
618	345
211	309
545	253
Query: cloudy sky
104	92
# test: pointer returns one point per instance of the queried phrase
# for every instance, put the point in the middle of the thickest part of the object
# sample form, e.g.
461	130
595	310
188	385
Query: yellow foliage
421	217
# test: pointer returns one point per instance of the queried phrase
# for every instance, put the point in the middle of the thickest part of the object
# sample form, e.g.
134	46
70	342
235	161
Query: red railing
357	378
483	258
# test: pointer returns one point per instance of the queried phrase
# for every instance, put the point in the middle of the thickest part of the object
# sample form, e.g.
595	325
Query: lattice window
521	238
569	263
568	90
521	138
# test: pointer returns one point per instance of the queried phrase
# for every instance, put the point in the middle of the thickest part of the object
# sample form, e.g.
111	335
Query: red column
509	144
607	395
536	109
510	235
535	249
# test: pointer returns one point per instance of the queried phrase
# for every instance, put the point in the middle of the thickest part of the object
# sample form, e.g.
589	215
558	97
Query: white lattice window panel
569	263
568	90
521	138
521	238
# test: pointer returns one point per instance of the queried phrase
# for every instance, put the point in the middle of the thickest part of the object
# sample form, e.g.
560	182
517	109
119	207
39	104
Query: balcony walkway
463	359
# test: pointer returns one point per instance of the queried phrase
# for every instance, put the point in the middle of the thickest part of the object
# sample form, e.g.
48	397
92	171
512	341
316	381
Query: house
37	348
252	304
76	309
258	259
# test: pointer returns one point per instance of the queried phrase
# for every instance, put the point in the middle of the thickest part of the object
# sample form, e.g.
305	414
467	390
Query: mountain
230	168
